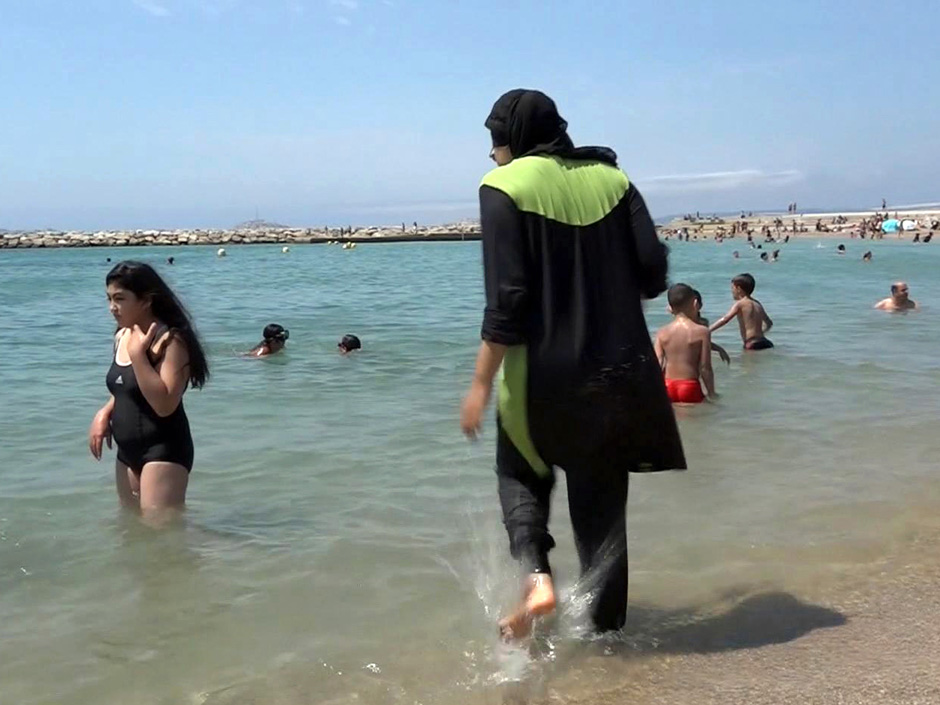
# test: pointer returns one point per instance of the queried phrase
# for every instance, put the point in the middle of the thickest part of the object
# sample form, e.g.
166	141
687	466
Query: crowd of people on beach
583	386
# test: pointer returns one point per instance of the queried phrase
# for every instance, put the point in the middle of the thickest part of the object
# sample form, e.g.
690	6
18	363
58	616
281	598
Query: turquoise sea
343	542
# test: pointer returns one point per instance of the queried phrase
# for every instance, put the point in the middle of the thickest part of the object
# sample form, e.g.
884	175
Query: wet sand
868	637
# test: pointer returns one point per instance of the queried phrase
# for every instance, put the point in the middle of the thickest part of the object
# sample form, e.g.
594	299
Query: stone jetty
253	235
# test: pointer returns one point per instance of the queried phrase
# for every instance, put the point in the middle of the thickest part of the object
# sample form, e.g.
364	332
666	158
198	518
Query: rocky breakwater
237	236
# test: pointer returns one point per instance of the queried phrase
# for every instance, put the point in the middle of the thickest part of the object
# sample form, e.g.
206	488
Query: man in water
752	318
569	252
684	350
899	300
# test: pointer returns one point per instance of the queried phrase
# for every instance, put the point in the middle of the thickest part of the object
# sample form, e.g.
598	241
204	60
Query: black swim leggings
597	503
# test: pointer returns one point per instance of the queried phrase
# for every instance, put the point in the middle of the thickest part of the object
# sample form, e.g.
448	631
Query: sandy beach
875	643
812	225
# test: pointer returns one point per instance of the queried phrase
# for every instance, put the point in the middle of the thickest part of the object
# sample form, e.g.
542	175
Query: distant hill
260	225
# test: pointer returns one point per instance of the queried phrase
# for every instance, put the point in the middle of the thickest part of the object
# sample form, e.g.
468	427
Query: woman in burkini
569	252
157	355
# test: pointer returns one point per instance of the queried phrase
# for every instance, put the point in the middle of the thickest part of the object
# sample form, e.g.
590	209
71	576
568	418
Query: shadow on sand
734	622
758	620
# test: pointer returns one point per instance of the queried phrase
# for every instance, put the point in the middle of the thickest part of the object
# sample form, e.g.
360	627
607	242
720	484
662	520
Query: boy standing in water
684	350
752	318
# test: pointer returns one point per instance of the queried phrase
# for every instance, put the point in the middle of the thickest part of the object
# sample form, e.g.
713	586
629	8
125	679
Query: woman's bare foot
538	600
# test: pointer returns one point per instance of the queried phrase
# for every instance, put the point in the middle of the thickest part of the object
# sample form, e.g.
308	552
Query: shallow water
343	542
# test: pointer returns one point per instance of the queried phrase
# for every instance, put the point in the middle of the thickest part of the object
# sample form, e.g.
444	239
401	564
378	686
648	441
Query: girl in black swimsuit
157	354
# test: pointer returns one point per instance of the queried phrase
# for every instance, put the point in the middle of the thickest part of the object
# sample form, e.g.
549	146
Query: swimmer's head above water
275	338
699	305
900	292
348	344
743	286
682	301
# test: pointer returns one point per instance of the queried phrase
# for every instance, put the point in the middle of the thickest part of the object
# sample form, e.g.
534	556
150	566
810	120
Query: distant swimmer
840	250
702	321
736	254
157	355
775	256
752	318
866	257
684	350
348	344
899	300
170	260
764	257
274	339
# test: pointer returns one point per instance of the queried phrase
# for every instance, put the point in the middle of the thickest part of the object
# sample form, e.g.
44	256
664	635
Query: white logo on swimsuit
119	380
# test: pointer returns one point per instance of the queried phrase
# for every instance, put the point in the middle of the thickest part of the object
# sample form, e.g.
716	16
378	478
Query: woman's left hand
138	343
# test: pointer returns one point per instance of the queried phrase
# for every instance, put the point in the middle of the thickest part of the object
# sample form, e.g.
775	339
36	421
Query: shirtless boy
899	300
684	350
752	318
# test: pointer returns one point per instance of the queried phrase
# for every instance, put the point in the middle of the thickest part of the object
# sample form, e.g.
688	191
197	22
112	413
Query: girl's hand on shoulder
139	342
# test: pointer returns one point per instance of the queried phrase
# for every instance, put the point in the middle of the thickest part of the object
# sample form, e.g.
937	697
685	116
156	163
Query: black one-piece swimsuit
142	435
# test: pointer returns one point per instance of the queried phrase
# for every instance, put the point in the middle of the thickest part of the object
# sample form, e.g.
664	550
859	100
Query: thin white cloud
347	4
152	8
719	180
343	21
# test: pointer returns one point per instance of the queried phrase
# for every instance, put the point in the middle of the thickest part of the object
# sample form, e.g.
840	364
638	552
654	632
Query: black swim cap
273	331
350	342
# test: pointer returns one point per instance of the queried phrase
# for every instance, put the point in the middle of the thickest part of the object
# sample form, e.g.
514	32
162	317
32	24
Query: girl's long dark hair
144	282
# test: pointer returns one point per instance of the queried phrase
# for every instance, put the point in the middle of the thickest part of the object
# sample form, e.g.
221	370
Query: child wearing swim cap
275	337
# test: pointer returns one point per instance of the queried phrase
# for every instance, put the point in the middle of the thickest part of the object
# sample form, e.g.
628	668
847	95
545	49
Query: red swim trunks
685	391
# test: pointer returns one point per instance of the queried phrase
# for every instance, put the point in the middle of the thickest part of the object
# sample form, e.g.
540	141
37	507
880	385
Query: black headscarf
528	123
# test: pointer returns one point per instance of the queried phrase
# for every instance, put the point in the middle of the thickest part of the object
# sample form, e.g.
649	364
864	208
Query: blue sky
187	113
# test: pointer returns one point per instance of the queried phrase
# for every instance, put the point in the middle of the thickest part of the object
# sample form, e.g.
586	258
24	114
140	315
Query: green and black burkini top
569	251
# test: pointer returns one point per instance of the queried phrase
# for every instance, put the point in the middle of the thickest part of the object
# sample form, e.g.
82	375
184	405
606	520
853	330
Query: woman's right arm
100	431
652	255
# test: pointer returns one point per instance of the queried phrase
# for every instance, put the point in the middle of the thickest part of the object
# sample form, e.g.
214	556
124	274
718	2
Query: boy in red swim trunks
752	318
684	350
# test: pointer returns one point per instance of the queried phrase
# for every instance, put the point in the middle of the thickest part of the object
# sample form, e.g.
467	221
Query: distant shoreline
272	236
702	228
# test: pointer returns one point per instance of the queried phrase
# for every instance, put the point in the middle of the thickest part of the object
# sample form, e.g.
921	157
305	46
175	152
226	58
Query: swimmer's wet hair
680	296
349	343
274	331
745	282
